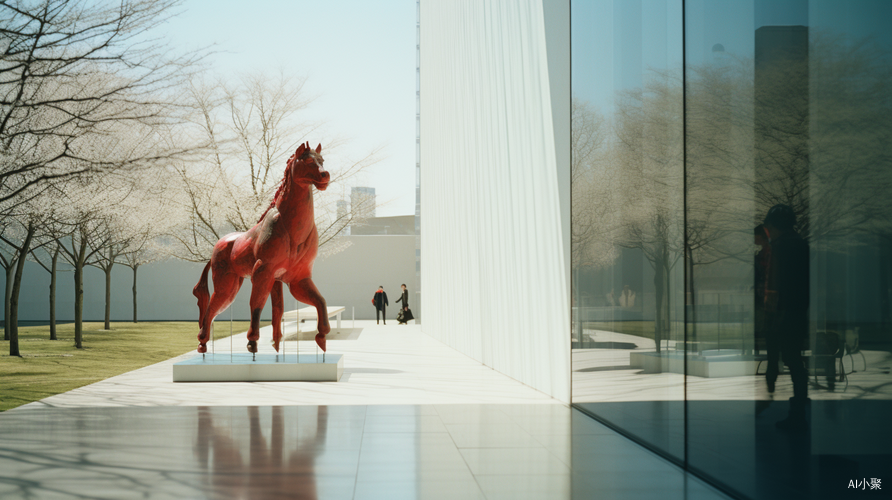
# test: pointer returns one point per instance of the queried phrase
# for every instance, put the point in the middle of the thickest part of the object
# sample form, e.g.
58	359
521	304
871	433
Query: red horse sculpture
280	248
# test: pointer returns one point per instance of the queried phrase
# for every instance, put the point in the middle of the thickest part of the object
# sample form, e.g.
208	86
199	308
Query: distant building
362	202
398	225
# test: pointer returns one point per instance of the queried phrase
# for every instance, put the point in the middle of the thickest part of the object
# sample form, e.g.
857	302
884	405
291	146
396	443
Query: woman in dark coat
407	314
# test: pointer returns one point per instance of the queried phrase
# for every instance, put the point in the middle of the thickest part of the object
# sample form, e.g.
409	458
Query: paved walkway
384	365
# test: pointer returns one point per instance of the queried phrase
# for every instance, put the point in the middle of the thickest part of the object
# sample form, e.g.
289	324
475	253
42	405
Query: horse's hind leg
262	281
305	291
226	287
278	311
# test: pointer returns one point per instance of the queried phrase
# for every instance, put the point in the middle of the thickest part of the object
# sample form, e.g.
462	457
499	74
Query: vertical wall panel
494	267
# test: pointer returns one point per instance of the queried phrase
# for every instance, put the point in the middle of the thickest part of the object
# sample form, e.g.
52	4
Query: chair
829	351
853	346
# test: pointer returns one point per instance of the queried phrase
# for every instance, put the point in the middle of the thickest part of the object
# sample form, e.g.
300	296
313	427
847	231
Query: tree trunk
108	270
135	267
8	294
53	294
691	304
658	298
13	318
79	295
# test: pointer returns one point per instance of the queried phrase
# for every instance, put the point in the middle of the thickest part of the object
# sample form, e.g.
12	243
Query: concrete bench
305	313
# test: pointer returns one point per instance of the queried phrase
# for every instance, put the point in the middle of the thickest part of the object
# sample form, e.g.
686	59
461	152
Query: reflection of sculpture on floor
280	464
280	248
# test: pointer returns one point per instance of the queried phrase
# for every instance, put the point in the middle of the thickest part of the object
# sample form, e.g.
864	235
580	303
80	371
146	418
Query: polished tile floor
466	452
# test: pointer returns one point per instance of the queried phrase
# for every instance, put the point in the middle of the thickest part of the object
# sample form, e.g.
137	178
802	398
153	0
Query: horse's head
306	167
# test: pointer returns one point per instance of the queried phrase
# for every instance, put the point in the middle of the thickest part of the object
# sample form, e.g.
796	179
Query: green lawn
49	367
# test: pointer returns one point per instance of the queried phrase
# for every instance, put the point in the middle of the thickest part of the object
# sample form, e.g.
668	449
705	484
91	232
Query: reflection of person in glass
786	306
760	238
627	297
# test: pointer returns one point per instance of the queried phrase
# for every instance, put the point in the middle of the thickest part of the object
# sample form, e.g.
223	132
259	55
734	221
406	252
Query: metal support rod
230	333
282	331
297	325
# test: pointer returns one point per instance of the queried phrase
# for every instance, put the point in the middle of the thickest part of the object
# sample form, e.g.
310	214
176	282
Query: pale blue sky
360	60
616	42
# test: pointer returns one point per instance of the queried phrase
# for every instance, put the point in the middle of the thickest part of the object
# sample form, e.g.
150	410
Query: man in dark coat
380	302
786	308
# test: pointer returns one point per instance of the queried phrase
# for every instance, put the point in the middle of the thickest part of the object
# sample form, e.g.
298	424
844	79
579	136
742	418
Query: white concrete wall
494	199
348	278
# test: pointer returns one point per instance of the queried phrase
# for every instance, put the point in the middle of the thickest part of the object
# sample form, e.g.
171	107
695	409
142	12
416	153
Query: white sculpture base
243	367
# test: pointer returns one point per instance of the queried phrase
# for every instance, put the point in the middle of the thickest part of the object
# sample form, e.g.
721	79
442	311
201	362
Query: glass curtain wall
627	216
732	236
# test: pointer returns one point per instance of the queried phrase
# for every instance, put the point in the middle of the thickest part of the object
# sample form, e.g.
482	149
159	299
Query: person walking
786	309
380	302
405	313
760	279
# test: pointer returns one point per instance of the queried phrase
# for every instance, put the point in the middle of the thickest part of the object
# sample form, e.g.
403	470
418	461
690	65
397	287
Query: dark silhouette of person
406	313
380	302
760	268
786	308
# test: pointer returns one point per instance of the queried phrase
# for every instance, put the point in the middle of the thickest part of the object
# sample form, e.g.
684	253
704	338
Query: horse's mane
286	179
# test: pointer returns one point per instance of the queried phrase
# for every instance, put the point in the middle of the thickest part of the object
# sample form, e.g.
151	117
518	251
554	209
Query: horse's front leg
278	311
261	285
305	291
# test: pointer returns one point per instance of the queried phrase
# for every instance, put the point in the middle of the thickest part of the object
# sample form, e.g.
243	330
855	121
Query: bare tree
142	220
252	127
48	258
15	242
87	212
135	215
649	155
593	188
69	68
20	236
144	249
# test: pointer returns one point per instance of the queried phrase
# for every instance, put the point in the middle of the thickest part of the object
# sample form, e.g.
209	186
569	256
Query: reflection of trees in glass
648	154
820	143
593	187
627	185
812	132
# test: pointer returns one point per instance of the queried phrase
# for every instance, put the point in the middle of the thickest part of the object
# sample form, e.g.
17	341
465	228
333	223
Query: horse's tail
201	292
